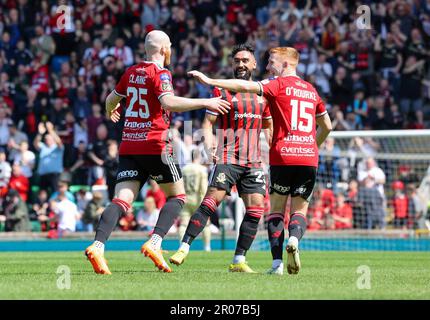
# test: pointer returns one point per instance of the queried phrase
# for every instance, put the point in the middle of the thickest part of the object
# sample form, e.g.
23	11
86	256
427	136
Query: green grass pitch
324	275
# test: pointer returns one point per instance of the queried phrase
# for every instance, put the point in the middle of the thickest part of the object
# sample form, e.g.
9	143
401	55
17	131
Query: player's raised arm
235	85
179	104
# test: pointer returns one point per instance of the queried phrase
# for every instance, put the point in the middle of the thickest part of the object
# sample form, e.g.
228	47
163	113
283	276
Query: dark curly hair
242	47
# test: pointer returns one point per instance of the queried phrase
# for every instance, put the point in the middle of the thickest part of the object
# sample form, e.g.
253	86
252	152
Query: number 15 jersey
146	121
294	105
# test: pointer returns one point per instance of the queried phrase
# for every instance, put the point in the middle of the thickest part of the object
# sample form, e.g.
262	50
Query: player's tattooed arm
235	85
324	128
112	105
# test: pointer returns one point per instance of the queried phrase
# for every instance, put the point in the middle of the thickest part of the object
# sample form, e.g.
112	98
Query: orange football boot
156	256
99	263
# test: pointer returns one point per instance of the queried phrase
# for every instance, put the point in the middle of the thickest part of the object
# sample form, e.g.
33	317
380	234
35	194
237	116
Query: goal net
372	193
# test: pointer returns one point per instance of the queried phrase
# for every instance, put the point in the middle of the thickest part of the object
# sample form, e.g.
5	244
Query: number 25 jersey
146	121
294	105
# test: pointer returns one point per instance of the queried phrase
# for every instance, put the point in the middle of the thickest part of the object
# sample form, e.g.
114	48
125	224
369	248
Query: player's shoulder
147	68
155	68
301	83
270	79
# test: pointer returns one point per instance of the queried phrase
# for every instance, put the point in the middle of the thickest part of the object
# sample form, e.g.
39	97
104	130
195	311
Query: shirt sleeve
121	87
269	88
320	108
163	84
216	92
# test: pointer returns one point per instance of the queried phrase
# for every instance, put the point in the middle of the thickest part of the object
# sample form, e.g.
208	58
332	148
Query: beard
167	58
242	73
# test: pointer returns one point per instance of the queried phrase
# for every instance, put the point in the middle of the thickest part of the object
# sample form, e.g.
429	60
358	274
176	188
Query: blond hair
288	53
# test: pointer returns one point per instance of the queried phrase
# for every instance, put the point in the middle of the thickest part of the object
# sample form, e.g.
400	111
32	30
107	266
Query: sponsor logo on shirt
301	84
141	70
300	139
137	125
238	115
138	136
297	152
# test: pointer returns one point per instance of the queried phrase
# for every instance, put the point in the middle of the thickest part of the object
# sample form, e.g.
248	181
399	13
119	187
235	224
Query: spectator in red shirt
19	182
127	221
328	199
342	214
400	205
317	216
157	194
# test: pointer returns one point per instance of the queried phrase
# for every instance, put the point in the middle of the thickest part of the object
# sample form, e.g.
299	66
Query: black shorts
293	180
247	180
160	168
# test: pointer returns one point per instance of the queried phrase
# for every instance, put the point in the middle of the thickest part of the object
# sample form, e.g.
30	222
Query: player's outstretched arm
180	104
324	128
235	85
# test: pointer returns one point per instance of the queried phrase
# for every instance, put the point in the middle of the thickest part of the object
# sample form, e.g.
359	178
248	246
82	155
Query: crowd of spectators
58	64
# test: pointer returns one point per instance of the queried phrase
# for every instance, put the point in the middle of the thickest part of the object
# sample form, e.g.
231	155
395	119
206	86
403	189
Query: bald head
155	40
157	45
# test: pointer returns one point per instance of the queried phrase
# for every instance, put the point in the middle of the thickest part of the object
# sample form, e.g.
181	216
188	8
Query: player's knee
124	205
209	205
275	217
299	215
125	195
181	198
299	221
254	213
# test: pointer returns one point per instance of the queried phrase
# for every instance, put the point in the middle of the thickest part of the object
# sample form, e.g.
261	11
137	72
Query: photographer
15	213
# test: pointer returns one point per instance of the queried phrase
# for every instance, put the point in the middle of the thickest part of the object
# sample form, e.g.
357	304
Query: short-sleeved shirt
238	132
146	122
50	159
294	105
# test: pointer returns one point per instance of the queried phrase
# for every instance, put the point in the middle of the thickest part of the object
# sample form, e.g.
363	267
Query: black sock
199	220
275	228
170	211
248	229
297	225
247	232
109	219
